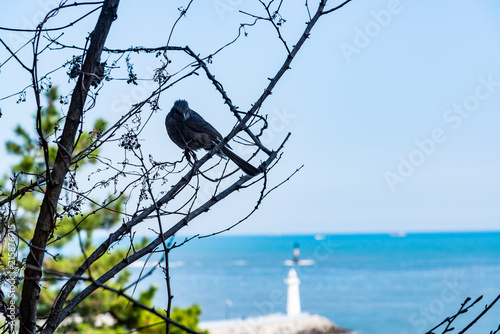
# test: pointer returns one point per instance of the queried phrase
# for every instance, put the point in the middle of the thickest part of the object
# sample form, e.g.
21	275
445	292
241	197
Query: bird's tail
244	165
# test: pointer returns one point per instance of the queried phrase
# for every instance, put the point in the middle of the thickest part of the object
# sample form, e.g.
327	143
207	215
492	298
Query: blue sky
393	108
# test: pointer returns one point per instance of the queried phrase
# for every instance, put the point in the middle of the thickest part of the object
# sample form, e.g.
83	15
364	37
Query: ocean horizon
371	283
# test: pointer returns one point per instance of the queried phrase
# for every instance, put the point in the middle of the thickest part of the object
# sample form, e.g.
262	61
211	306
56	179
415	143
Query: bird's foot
188	153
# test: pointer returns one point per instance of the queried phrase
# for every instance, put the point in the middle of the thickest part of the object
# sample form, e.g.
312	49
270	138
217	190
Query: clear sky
393	108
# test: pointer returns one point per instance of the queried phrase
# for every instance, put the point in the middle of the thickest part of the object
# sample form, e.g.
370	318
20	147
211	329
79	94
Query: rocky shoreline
303	323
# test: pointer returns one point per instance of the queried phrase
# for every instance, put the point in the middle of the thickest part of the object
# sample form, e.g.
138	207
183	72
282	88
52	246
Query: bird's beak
186	115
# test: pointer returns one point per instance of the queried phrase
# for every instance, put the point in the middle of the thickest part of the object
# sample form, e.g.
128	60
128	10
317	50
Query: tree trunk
46	219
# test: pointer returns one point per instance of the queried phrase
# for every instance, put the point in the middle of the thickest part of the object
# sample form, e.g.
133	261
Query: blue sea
373	284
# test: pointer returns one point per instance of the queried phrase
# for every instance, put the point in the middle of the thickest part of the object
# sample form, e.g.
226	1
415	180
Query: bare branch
56	10
145	174
45	222
336	8
486	309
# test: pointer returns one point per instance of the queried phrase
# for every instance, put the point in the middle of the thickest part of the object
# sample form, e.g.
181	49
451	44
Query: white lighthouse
293	296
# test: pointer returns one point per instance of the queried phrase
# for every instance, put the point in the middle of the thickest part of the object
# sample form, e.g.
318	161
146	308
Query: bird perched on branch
190	131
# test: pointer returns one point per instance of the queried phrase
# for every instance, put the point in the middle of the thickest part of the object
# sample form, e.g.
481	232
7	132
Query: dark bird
190	131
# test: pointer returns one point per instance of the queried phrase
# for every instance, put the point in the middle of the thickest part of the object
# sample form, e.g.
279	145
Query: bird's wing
197	124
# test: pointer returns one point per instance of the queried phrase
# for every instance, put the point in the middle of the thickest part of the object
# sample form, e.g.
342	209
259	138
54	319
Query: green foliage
188	317
145	322
31	166
76	225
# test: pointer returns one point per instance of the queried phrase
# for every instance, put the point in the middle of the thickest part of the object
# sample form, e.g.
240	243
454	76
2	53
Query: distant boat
239	263
319	237
400	234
